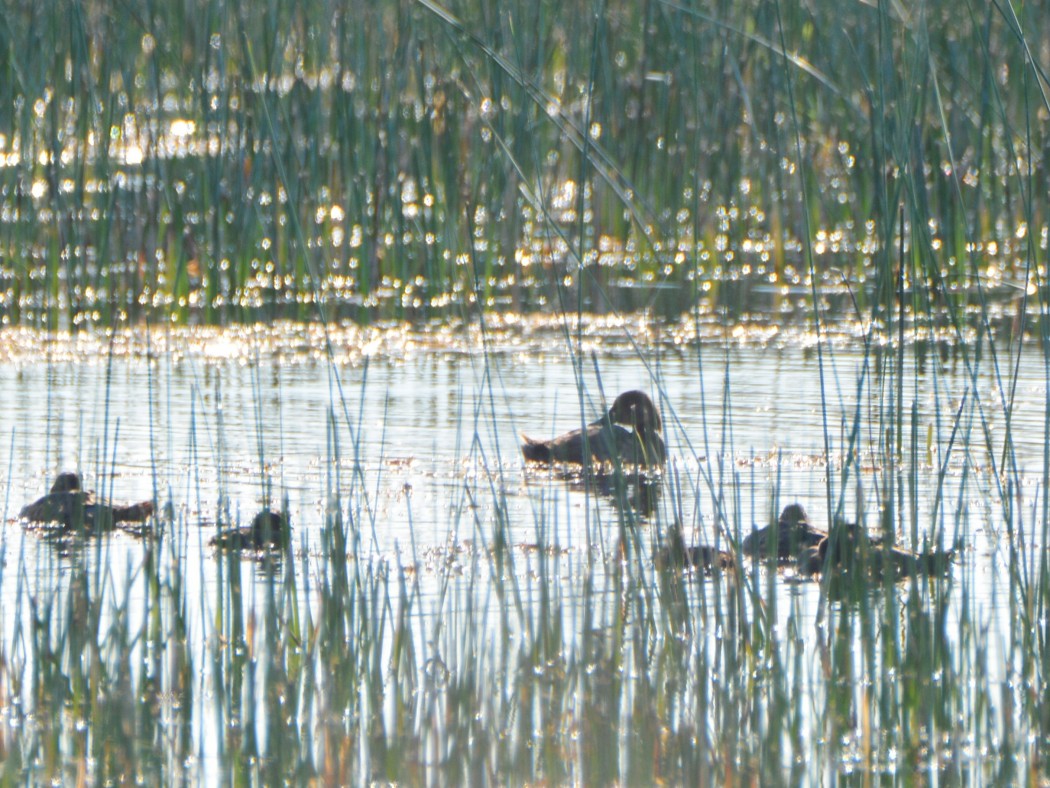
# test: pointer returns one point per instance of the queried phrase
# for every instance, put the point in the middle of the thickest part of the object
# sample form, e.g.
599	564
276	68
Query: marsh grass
411	159
481	658
713	155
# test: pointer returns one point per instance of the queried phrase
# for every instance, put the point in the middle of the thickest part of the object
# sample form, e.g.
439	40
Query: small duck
856	549
630	432
676	556
852	545
75	508
269	529
792	533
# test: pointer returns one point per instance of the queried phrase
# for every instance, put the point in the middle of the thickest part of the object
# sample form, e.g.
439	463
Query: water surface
418	449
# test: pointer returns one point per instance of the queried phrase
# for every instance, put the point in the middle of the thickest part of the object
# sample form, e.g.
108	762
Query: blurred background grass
216	162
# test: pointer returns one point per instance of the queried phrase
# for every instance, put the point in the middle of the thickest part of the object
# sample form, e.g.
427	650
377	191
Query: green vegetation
514	644
210	162
202	162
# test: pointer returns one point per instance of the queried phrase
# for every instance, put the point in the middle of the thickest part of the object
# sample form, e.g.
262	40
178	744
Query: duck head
793	516
635	409
268	527
67	481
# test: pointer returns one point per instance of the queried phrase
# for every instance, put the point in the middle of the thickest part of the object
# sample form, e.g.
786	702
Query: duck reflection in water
75	509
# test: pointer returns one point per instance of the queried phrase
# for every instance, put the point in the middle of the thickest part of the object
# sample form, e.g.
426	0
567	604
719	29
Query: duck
269	530
799	541
851	545
792	533
73	507
854	549
629	432
676	555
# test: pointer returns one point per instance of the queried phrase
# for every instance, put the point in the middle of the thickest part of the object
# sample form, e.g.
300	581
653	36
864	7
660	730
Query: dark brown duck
72	507
677	556
854	550
269	529
795	539
791	534
629	432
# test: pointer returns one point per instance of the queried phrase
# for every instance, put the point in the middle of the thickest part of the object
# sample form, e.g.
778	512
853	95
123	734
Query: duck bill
601	421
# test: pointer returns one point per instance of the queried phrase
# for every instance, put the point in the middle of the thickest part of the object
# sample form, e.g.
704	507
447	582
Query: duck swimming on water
269	529
73	507
846	550
676	556
793	532
629	432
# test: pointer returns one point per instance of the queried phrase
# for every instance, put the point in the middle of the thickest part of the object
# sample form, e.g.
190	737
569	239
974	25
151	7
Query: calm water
437	432
205	431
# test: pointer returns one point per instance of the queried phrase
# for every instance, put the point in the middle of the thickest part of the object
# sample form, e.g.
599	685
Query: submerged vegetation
358	185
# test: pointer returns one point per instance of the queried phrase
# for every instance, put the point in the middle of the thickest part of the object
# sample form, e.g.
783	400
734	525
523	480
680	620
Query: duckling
856	550
676	556
792	533
608	438
269	529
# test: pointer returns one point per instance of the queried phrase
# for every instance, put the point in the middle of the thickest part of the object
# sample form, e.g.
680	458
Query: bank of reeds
445	158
